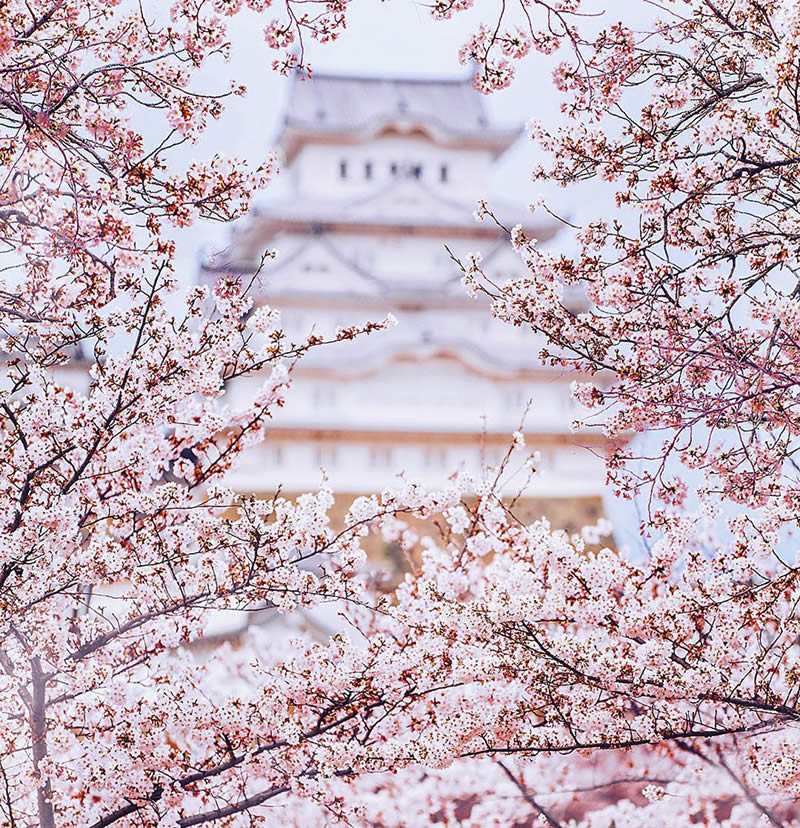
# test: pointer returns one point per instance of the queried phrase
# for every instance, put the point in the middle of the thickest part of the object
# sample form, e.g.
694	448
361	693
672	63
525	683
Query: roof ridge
463	80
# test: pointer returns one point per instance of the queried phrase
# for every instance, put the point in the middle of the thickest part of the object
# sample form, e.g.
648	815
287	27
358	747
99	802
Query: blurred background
384	154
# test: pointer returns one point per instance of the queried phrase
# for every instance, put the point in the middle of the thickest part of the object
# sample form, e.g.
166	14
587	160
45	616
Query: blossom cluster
670	681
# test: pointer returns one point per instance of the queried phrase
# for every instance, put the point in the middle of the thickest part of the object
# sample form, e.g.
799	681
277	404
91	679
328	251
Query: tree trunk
39	734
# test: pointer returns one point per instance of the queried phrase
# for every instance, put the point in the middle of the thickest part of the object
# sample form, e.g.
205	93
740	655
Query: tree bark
39	742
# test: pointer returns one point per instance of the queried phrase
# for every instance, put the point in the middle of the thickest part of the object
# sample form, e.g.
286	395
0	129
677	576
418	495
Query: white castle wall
369	218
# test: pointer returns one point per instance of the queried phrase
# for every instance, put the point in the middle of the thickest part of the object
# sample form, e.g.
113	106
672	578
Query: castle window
515	398
381	457
325	455
435	457
343	169
393	169
368	170
443	173
416	171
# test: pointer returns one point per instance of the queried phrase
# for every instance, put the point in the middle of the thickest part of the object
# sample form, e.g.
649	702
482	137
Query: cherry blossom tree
692	302
691	284
517	675
105	486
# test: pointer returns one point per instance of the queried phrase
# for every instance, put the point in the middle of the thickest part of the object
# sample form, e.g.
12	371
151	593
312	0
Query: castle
384	176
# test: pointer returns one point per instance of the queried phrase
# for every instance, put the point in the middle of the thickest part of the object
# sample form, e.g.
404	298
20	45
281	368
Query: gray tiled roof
348	104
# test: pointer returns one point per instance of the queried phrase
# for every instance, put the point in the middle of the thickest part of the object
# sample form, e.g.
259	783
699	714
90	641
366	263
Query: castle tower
384	174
